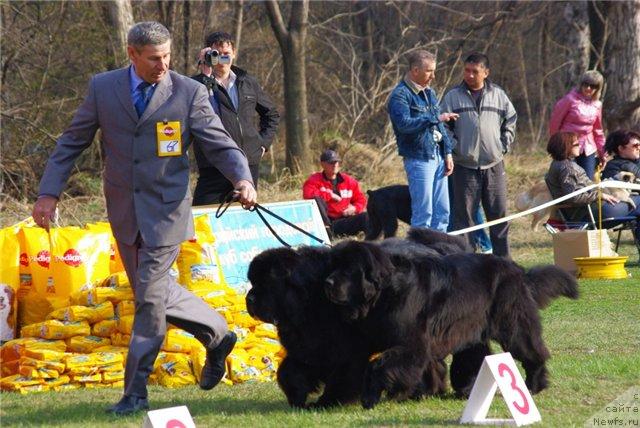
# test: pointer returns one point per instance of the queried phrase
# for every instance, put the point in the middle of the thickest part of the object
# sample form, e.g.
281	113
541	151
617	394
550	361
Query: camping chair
614	224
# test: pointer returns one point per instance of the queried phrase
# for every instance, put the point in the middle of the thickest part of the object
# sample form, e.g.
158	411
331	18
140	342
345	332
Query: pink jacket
576	113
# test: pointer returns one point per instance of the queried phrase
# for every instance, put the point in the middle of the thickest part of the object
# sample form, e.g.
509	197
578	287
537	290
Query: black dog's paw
370	399
537	385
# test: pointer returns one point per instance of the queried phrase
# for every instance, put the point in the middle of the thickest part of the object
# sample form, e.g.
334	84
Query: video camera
213	57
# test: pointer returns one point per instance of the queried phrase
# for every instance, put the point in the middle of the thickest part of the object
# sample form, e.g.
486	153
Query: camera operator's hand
204	68
247	195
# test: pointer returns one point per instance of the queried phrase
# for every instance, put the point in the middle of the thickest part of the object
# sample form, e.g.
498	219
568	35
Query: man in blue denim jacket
423	142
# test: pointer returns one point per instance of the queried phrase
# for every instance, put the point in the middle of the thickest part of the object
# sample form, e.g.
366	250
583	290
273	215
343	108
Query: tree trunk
186	41
577	36
598	27
292	45
622	100
238	15
119	17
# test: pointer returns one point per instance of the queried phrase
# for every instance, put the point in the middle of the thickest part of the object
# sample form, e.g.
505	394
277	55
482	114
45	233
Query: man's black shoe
129	404
214	367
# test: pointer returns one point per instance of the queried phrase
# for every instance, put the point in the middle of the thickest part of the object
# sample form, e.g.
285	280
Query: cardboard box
579	243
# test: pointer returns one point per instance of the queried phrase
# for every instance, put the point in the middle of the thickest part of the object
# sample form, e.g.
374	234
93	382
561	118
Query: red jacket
348	187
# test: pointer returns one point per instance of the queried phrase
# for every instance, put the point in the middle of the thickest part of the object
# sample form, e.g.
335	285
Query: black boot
214	367
129	404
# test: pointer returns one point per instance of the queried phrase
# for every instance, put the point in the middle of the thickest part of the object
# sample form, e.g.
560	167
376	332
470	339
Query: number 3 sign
500	371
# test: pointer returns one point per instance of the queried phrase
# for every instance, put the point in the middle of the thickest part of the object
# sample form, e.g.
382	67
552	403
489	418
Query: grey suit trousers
160	299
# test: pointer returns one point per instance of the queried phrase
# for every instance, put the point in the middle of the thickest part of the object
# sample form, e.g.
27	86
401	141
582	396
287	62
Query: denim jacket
414	116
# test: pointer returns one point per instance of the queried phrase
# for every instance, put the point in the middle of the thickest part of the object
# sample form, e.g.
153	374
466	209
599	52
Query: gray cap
329	156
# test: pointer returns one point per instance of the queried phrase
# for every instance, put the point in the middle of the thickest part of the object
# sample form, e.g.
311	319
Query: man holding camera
236	97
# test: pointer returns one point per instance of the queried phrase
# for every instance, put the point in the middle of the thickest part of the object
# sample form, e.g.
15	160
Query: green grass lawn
594	342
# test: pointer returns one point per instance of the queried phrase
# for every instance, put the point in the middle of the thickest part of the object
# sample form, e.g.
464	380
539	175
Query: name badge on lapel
168	137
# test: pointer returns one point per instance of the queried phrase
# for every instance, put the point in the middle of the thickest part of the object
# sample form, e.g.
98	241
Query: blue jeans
480	237
588	163
429	192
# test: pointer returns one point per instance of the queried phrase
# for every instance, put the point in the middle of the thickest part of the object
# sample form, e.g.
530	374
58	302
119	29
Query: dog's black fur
288	291
385	207
420	308
321	350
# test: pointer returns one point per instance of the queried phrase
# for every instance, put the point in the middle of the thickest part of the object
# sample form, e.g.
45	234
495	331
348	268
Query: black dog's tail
549	282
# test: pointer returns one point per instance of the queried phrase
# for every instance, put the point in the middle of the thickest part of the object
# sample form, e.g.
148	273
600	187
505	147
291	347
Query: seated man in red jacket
338	195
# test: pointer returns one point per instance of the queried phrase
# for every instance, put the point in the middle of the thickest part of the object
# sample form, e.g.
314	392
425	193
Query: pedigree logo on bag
72	258
79	258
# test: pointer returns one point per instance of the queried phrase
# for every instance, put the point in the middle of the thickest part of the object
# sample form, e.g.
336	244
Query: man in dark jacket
236	97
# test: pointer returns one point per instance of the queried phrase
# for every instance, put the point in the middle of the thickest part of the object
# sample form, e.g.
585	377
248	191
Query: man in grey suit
148	116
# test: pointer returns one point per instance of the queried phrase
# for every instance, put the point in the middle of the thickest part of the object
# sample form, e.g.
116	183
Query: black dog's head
359	270
282	281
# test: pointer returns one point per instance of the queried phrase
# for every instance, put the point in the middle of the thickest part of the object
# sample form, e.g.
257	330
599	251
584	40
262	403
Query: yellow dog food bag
79	258
38	372
86	344
9	283
198	261
119	339
91	314
125	324
54	329
38	253
16	348
124	308
115	262
15	382
42	364
174	370
105	328
177	340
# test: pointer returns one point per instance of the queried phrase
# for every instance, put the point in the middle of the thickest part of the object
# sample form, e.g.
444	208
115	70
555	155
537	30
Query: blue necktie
145	94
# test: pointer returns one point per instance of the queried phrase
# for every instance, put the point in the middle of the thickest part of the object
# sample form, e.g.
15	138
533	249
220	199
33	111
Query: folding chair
614	224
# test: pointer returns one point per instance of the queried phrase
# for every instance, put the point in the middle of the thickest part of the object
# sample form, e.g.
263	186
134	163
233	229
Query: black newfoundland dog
322	349
385	207
287	291
420	308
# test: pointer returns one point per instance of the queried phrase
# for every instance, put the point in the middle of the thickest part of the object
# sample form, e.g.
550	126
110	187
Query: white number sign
171	417
500	372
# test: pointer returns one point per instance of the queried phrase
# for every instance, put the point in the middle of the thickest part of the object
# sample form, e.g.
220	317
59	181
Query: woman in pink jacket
580	111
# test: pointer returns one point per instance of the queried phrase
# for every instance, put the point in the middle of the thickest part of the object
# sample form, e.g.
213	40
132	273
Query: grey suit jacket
145	193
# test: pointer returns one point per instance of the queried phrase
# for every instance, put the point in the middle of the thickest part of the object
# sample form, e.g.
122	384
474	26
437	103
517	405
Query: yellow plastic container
601	267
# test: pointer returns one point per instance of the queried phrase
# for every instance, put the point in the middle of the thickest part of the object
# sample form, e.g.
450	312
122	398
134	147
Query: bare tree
186	11
578	37
292	40
239	13
118	16
622	100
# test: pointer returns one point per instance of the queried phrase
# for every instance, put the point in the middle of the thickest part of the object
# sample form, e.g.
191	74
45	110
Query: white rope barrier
604	184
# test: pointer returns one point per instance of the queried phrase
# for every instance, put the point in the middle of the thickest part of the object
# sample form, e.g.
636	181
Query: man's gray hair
147	33
419	57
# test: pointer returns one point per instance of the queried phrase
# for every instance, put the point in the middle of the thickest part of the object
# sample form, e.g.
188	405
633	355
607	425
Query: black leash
233	197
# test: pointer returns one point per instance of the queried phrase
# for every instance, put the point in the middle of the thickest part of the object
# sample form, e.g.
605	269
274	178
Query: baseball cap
329	156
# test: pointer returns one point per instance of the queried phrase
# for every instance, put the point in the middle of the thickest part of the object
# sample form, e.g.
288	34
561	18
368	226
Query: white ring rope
606	183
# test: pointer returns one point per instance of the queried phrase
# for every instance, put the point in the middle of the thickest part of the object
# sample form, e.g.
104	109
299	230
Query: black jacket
618	164
242	124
